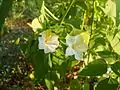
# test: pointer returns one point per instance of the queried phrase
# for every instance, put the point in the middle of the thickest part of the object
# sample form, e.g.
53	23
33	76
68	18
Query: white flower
76	46
48	41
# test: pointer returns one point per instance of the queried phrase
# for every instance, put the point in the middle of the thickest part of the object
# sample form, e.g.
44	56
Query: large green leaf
96	68
107	84
75	85
40	64
116	67
63	68
86	86
4	10
39	60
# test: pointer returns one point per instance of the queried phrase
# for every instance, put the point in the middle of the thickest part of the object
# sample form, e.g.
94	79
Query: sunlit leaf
110	9
115	42
117	12
109	56
49	84
17	41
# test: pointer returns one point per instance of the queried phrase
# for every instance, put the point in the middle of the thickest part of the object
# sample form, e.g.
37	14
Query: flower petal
48	49
36	24
81	48
70	39
49	41
47	34
40	44
53	40
79	56
79	39
69	51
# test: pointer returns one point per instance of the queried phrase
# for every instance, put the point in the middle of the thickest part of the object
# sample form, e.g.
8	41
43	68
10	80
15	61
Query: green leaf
49	84
108	56
17	41
75	85
116	67
63	68
99	41
115	42
39	60
86	86
40	64
75	22
95	68
117	12
82	4
5	10
109	84
72	12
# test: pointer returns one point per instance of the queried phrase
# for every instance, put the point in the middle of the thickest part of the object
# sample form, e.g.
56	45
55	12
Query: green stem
51	14
91	32
67	11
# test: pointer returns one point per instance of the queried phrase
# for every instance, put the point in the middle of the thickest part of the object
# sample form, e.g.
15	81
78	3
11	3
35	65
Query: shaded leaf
109	84
5	10
75	22
95	68
86	86
75	85
116	67
63	68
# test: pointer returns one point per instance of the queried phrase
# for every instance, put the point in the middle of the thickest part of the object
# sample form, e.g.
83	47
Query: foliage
80	25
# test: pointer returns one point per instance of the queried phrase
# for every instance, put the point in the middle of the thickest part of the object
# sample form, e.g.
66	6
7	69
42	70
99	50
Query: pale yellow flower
48	41
76	46
35	24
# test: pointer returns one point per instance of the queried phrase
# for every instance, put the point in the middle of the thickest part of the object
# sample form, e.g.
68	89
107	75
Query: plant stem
51	14
72	2
92	28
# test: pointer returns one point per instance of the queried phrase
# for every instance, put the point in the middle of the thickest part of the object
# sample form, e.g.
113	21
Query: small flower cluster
49	42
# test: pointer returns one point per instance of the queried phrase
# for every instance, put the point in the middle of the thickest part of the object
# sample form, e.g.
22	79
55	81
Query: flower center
74	46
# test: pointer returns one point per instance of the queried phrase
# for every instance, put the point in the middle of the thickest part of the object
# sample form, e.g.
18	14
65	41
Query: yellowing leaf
35	24
110	9
17	41
115	42
31	75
